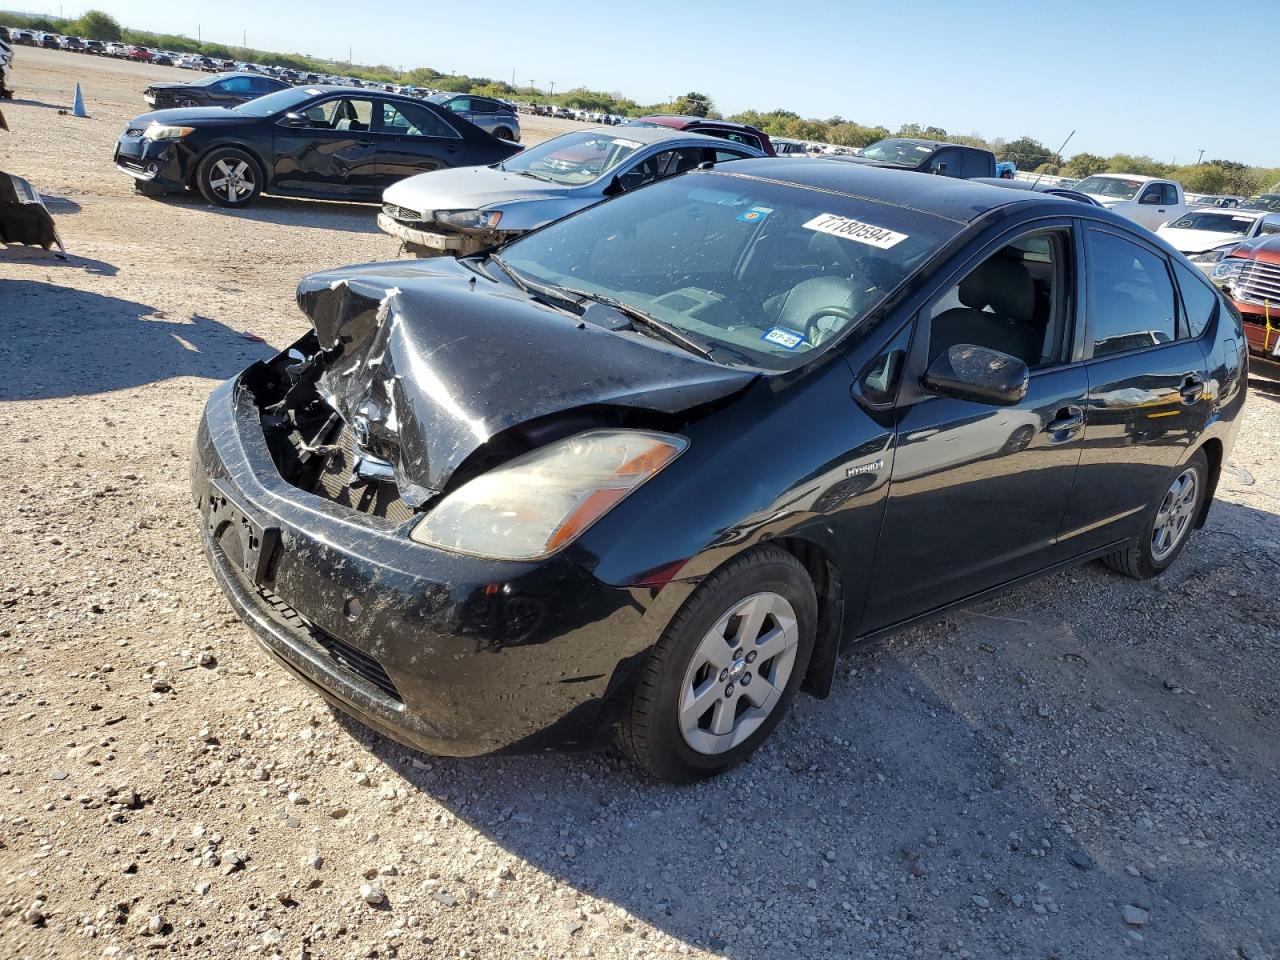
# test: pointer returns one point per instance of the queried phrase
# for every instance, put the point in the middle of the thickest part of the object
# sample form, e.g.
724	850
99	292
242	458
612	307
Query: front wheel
1169	524
725	670
228	177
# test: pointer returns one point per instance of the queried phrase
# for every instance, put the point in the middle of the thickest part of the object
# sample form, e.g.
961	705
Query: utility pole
244	39
553	87
1200	159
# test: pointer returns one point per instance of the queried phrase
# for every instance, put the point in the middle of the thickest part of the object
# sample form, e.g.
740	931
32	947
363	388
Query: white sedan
1206	236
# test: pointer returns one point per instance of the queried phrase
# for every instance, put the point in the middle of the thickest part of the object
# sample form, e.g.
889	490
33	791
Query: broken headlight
542	501
163	131
470	219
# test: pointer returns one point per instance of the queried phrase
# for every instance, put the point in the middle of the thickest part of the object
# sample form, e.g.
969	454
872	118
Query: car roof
959	200
931	143
1141	178
651	135
679	119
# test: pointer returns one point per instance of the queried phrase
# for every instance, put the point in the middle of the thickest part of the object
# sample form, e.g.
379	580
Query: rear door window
1199	300
411	120
1131	298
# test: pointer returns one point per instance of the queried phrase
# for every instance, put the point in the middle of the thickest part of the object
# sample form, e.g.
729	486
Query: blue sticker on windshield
755	214
787	339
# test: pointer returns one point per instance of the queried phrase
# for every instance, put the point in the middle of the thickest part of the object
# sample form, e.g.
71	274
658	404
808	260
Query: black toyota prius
643	472
334	143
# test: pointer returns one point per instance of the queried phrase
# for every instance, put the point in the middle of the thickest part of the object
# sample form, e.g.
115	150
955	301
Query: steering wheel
816	337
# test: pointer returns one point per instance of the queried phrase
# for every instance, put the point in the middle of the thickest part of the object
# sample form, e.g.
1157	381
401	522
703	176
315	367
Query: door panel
1148	392
335	156
976	496
1143	411
411	139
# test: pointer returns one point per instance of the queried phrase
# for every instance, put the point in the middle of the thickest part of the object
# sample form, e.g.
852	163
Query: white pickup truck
1145	200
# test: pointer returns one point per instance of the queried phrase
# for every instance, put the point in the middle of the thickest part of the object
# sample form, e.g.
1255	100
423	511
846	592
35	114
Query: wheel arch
828	585
1213	452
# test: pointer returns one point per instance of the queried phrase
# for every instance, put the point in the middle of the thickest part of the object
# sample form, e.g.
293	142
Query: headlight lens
539	503
161	131
1228	269
1209	256
470	219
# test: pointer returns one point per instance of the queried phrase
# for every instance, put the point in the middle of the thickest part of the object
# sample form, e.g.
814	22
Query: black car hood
190	116
428	362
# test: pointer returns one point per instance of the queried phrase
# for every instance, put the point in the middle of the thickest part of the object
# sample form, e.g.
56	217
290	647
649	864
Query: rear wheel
504	133
725	670
1170	521
229	177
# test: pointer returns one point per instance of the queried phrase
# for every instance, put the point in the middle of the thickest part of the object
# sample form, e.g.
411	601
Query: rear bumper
453	655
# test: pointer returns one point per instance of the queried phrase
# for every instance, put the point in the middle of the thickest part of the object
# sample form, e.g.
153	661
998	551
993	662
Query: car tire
504	133
766	591
1168	523
229	177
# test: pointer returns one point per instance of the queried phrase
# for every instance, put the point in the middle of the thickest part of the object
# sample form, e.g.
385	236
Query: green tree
1027	153
694	105
1142	165
1084	165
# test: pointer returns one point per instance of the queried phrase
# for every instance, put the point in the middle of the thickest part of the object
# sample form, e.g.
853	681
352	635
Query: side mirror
968	372
614	188
1150	198
292	119
940	168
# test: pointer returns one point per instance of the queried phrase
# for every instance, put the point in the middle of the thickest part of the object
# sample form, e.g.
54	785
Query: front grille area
401	214
342	654
338	482
1259	282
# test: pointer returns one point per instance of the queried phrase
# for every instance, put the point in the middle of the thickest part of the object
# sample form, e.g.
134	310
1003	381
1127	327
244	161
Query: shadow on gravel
1003	780
63	342
290	212
51	258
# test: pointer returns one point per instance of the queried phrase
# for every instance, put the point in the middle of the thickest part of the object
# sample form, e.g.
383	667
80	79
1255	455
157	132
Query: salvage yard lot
1084	768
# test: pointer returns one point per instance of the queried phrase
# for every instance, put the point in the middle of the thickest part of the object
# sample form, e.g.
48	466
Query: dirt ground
1085	768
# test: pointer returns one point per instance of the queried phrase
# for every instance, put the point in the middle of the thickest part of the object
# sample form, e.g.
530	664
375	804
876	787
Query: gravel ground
1085	768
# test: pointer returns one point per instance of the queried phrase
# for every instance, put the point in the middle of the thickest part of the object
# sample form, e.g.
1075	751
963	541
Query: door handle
1191	389
1067	420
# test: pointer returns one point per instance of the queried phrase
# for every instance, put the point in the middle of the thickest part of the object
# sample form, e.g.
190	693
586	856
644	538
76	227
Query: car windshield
901	153
1214	222
574	159
760	272
277	102
1116	188
1266	201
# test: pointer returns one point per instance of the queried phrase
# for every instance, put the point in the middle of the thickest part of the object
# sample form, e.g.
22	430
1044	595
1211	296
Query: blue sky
1158	78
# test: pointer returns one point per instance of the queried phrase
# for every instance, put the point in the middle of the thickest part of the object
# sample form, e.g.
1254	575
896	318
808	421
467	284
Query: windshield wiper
673	334
545	293
533	176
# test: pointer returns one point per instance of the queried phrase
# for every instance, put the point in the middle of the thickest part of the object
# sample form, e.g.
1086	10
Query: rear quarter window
1198	298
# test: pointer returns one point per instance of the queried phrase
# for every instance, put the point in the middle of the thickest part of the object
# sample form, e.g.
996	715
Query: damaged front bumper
451	654
156	165
436	243
24	219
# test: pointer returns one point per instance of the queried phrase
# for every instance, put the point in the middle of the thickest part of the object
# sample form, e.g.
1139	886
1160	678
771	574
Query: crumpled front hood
427	362
466	188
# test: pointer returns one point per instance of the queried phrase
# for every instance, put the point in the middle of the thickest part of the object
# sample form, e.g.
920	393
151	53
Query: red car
724	129
1250	275
139	53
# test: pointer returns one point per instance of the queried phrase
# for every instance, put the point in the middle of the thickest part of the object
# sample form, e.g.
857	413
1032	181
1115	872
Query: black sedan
215	90
645	470
334	143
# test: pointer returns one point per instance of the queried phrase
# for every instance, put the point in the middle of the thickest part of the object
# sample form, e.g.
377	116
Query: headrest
1002	284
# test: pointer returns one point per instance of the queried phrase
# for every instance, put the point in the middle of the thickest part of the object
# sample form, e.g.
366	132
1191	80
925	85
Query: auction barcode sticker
856	230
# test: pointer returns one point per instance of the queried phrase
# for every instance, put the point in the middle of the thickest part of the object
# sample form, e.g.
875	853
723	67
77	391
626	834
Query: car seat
999	300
